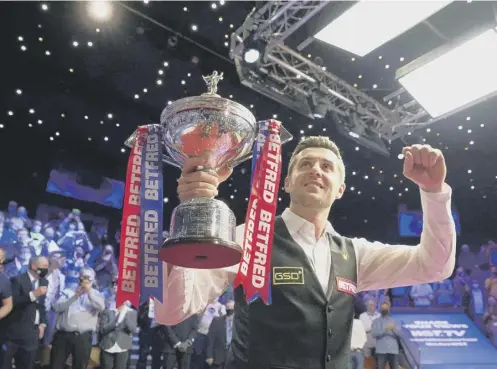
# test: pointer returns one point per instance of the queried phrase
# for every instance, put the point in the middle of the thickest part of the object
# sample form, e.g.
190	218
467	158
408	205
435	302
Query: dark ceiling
72	90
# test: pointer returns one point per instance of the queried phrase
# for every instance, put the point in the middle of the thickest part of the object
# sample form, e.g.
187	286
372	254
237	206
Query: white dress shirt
379	265
358	338
56	284
35	283
367	319
212	311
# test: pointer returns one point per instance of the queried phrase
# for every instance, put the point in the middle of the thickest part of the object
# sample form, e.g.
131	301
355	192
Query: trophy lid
208	100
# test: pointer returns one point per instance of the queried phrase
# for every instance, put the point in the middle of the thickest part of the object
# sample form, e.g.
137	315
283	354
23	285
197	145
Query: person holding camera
77	319
25	325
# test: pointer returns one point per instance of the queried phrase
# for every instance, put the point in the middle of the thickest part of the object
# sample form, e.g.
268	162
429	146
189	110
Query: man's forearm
188	291
59	307
4	311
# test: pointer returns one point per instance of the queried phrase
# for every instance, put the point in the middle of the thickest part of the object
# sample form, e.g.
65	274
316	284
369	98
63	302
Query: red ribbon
254	273
128	282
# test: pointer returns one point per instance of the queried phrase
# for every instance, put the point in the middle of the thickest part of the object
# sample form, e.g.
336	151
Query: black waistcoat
304	327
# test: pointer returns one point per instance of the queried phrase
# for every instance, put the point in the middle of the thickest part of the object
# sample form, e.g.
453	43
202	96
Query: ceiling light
457	78
100	10
383	20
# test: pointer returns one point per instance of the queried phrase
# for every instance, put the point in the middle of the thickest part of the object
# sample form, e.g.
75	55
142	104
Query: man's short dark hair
320	142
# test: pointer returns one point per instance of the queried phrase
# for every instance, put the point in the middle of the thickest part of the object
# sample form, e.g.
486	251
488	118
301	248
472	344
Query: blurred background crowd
71	247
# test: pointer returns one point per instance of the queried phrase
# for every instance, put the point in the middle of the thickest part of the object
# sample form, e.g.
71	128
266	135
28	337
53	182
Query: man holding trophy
311	271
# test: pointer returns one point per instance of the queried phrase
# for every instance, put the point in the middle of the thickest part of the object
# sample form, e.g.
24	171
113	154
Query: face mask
36	229
384	312
230	312
42	272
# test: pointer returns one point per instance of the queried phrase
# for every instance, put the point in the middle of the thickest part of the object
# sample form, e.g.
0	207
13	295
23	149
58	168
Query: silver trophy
210	132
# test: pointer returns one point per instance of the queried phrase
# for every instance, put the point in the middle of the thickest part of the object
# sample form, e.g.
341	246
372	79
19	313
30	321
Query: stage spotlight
254	49
100	10
251	56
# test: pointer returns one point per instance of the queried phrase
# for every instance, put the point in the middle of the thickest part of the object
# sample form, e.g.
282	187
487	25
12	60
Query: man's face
49	233
58	260
315	179
385	308
42	263
371	306
22	235
25	254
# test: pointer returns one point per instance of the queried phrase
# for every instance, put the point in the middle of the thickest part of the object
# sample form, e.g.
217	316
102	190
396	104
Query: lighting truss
290	79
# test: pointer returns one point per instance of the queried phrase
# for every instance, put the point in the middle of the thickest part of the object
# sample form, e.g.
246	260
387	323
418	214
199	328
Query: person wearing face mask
49	240
386	332
106	267
333	268
219	337
27	321
36	229
77	319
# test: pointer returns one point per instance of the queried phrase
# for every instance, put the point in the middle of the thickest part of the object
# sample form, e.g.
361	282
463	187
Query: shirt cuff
176	345
32	296
443	195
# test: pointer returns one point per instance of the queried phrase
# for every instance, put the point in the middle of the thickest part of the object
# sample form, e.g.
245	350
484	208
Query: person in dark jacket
25	325
178	341
116	328
219	337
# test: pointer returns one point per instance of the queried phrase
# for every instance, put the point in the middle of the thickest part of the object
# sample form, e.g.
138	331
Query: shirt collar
295	223
31	278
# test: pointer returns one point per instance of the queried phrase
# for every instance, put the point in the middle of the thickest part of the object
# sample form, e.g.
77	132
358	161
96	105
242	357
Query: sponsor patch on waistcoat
346	286
288	275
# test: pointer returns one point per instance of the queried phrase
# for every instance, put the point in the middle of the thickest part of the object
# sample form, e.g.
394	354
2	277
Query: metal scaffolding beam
291	79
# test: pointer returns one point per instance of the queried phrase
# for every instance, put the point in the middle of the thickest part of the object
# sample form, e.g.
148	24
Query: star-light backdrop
73	87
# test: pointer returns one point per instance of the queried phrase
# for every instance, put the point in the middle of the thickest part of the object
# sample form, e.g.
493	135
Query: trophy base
201	253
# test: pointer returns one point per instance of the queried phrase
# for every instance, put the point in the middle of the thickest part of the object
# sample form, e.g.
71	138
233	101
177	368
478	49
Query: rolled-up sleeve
189	291
386	266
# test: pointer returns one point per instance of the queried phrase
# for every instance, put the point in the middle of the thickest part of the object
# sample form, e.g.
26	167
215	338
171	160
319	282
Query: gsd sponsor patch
346	286
288	275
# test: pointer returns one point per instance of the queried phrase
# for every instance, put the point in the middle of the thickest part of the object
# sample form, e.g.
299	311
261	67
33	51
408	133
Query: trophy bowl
207	132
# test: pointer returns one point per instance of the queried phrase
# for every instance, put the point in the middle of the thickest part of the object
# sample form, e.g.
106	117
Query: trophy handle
285	137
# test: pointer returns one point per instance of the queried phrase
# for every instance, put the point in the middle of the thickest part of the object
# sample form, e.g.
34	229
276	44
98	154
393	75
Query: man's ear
341	191
287	185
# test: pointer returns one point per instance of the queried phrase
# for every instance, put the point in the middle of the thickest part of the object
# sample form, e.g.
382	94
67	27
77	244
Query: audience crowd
68	275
